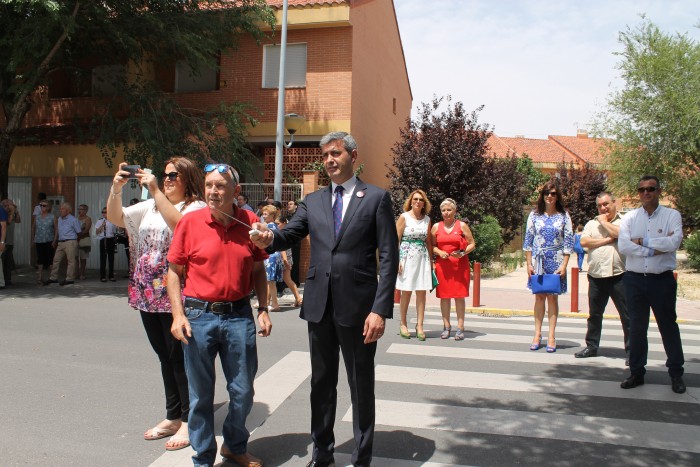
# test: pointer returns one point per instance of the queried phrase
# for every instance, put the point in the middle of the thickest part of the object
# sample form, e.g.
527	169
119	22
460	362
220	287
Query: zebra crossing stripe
471	335
272	388
609	329
620	432
346	459
526	356
530	383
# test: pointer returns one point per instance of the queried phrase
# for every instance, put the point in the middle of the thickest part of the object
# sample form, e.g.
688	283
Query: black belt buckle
221	308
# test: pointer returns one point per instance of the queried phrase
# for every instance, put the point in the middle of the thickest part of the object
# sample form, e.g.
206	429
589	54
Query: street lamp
292	122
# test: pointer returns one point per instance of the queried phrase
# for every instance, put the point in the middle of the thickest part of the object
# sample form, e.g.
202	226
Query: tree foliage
654	120
38	38
579	188
488	239
534	178
444	152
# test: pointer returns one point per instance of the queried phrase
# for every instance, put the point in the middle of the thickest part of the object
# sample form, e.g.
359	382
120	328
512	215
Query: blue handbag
545	283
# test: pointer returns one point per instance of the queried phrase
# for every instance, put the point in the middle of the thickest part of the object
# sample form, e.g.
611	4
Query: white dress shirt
348	189
662	231
108	231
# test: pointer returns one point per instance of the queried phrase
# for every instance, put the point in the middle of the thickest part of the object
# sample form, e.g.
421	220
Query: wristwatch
262	308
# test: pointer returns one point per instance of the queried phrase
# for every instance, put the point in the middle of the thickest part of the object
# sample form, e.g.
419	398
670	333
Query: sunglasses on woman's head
170	176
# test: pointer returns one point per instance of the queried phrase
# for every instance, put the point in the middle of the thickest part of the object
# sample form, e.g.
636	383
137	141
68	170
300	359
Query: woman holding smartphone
453	242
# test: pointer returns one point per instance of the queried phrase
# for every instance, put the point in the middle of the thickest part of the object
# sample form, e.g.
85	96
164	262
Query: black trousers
658	292
107	247
296	254
172	363
325	338
600	290
8	263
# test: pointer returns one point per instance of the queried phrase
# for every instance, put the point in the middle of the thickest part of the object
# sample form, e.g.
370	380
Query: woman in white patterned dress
415	264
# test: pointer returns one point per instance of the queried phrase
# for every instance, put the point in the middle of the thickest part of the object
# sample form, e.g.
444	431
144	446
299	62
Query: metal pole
574	290
279	145
476	289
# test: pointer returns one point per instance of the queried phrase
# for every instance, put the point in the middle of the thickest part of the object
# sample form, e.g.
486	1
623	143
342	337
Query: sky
539	67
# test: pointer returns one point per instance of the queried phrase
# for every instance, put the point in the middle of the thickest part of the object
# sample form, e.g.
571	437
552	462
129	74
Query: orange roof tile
539	150
588	149
303	3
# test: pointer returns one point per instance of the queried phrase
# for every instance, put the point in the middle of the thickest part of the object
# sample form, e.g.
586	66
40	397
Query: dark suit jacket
346	267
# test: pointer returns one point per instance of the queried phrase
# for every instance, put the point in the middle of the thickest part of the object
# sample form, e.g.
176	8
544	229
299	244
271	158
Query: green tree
654	120
534	178
444	152
41	37
579	187
487	236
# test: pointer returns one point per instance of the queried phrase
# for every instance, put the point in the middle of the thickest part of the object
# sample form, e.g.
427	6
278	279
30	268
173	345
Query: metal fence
257	192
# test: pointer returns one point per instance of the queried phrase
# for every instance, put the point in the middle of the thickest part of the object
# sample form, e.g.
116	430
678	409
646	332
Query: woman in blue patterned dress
274	267
549	241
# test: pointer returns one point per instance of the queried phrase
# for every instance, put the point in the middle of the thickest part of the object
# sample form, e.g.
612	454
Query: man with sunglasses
350	222
222	266
649	238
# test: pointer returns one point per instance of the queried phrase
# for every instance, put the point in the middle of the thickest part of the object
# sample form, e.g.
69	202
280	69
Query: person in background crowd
7	258
215	316
549	241
37	208
105	230
274	266
452	242
260	205
415	264
121	237
578	248
84	240
43	233
242	201
66	245
3	236
649	238
606	271
288	263
150	226
296	248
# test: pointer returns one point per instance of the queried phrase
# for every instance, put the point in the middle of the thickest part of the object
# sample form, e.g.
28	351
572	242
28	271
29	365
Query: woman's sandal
459	335
446	333
405	335
420	335
536	345
553	348
298	302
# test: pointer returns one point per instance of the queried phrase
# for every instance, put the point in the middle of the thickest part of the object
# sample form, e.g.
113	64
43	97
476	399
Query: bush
487	236
692	249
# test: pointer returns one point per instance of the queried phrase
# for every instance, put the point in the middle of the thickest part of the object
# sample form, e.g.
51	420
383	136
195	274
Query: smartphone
131	169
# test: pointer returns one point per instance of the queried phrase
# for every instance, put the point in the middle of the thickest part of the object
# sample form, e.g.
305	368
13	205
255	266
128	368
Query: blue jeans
232	336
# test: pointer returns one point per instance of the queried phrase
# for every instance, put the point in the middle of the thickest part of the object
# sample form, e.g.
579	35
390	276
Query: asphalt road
80	384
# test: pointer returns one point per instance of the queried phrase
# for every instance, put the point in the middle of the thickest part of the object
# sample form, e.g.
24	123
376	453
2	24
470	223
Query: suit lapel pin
360	194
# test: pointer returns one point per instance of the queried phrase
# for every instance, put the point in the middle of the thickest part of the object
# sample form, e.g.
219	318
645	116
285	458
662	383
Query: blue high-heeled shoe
536	346
551	349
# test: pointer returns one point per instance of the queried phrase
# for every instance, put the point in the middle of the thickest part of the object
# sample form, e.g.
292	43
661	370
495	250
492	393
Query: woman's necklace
451	225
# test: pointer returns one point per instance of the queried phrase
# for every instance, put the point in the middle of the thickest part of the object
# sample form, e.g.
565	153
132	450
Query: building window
206	78
295	66
107	79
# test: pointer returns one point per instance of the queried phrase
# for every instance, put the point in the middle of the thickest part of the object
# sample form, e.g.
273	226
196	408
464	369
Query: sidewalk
508	295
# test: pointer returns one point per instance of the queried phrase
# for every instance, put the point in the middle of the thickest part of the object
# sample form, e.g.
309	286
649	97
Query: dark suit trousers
599	291
657	291
325	338
107	247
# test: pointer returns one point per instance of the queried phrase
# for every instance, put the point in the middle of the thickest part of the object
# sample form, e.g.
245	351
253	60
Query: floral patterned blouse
44	232
149	241
549	238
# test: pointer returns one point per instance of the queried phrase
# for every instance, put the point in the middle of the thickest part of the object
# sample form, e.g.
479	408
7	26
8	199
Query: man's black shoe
632	382
321	464
50	281
587	352
66	283
677	384
627	361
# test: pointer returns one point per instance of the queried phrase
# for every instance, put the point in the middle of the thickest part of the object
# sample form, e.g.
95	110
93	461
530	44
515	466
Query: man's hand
374	328
263	238
602	218
265	324
181	328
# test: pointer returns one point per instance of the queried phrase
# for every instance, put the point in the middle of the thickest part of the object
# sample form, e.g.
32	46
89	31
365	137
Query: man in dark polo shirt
222	266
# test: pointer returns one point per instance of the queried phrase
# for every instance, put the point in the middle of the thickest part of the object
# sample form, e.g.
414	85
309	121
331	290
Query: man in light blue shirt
649	238
66	244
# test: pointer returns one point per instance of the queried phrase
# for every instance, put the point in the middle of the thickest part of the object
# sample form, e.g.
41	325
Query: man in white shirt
649	238
606	271
105	231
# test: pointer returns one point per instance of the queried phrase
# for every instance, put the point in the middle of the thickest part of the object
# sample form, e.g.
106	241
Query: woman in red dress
453	241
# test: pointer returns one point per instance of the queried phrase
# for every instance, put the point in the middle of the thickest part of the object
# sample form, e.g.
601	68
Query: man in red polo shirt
212	254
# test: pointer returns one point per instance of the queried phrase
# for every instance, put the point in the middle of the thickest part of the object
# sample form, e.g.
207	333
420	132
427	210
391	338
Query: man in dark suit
345	304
